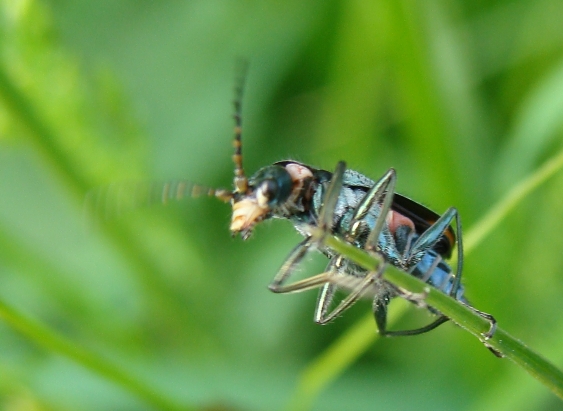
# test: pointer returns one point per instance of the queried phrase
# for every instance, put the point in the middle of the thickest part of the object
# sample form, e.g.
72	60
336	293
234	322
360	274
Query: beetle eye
266	192
269	188
273	186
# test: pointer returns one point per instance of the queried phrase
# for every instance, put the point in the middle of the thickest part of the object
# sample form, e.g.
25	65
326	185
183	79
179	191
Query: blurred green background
464	99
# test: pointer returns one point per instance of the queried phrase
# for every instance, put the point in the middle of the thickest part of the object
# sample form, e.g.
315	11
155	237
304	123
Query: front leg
325	223
358	286
288	268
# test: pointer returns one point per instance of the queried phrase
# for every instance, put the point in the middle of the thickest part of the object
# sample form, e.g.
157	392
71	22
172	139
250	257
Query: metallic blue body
427	265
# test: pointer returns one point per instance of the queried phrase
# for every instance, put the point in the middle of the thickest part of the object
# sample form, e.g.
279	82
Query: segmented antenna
240	180
113	201
175	190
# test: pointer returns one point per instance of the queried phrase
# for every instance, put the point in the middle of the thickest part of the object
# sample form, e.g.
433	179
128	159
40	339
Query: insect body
355	208
368	214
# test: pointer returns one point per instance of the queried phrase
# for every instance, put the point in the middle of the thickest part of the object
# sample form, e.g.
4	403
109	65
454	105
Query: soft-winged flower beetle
367	214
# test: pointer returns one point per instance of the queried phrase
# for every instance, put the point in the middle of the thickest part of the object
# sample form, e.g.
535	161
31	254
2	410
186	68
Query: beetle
364	213
367	214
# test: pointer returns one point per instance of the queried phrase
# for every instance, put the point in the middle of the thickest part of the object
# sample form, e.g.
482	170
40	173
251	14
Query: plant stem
480	230
501	341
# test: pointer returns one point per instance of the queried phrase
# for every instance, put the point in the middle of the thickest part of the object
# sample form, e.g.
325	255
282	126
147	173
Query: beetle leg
492	321
359	287
382	189
288	267
439	321
326	214
309	283
430	237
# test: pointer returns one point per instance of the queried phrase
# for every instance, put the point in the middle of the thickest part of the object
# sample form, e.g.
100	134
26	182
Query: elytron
365	213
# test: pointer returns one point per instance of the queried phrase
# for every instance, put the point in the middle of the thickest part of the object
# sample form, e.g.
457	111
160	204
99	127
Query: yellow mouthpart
246	213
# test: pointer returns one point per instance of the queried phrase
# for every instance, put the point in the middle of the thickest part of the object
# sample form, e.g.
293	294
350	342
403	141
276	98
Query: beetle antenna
116	199
240	180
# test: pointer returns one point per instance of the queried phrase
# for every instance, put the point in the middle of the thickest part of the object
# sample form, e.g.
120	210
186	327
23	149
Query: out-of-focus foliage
463	98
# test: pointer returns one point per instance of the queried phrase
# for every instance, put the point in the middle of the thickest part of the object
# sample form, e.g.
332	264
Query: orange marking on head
298	174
